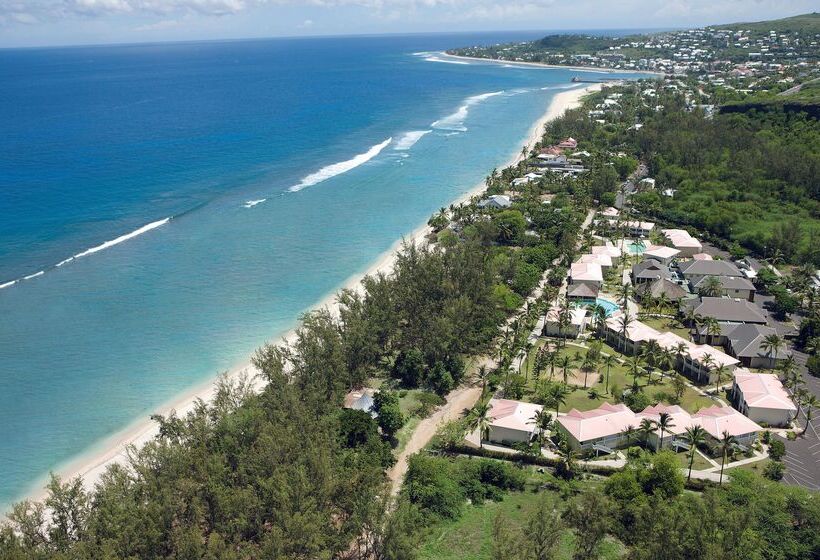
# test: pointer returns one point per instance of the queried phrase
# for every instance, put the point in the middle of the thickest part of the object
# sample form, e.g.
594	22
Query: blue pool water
636	248
608	306
168	208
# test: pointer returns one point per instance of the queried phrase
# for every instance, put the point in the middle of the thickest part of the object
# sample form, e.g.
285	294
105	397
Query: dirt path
458	403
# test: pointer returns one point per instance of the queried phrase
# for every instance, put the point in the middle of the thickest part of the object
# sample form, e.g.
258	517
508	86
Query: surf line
97	248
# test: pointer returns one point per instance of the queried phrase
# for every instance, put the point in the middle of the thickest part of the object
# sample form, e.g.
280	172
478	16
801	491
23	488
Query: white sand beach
113	450
590	69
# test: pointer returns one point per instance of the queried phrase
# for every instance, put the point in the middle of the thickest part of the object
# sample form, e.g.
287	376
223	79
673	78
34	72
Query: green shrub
777	449
774	470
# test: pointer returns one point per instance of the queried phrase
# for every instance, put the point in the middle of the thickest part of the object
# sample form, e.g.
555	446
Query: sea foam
446	61
456	120
252	203
329	171
409	139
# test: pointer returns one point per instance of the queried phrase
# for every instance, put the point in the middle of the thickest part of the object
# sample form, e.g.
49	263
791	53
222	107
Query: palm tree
552	359
564	364
557	395
609	361
635	369
646	428
626	291
772	344
480	420
706	363
652	354
720	374
664	423
662	302
630	434
712	329
694	436
727	444
809	404
623	322
712	287
568	455
588	365
484	376
542	420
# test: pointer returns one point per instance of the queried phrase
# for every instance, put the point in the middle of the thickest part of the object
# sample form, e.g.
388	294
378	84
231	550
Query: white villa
512	421
761	397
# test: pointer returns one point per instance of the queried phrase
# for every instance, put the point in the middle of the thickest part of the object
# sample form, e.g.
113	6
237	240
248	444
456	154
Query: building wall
569	331
499	434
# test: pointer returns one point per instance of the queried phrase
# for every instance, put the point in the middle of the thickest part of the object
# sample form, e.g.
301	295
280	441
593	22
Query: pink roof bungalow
661	253
719	419
569	143
602	259
603	426
702	257
551	151
680	420
611	250
762	398
512	421
683	241
589	273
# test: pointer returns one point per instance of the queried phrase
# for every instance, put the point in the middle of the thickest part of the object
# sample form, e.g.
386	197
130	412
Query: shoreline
91	464
590	69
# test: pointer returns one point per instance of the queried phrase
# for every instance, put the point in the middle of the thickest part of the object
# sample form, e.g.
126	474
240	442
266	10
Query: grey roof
664	286
582	290
746	340
728	309
709	268
729	282
496	200
650	269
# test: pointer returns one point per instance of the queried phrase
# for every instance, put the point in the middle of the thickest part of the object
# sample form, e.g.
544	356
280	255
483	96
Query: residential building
746	342
662	287
587	273
577	320
603	426
762	398
730	286
582	291
726	310
497	201
361	399
602	259
681	240
512	421
719	420
696	270
638	228
661	253
648	271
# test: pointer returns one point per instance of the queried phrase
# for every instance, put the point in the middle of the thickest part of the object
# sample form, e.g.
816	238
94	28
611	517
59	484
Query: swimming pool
636	247
608	306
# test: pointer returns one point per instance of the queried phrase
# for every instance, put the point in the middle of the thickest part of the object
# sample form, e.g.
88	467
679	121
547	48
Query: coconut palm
552	360
556	396
726	446
635	369
569	456
564	362
623	323
480	420
772	344
588	365
694	436
706	365
609	360
626	291
484	376
712	329
712	287
664	423
720	374
542	420
630	434
646	428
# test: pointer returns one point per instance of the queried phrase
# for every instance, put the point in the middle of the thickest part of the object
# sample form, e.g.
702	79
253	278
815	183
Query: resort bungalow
681	420
696	270
573	328
638	228
609	213
497	201
361	399
762	398
568	143
587	273
512	421
582	292
604	260
662	287
661	253
730	286
746	341
611	250
683	242
717	420
648	271
603	426
725	310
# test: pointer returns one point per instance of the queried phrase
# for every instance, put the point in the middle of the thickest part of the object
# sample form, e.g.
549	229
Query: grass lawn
403	435
663	325
756	467
700	464
470	536
618	377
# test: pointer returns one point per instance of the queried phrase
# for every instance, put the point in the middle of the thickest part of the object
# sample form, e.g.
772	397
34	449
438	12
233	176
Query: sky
69	22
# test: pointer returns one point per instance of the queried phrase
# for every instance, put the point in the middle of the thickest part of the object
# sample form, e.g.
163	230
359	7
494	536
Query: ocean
167	208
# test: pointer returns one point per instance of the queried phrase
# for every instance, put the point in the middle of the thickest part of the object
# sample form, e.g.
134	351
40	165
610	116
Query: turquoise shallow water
281	167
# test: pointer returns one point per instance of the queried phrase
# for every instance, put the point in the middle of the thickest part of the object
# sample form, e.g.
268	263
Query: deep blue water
98	142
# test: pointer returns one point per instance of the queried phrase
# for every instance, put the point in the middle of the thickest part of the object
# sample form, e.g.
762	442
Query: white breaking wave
106	245
409	139
446	61
126	237
252	203
329	171
456	120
